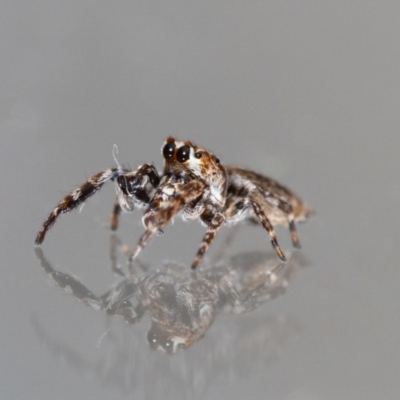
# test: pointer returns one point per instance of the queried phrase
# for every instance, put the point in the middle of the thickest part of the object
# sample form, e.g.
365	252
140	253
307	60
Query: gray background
307	92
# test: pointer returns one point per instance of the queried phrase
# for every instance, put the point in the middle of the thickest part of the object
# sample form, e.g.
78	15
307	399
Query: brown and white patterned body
242	182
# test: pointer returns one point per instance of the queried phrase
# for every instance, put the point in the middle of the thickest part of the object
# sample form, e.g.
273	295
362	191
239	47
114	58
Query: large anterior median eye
183	154
168	150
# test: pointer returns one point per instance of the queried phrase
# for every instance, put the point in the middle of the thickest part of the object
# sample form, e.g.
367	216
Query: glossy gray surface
306	92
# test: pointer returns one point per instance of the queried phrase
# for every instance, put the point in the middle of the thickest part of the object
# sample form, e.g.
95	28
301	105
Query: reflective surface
181	305
305	93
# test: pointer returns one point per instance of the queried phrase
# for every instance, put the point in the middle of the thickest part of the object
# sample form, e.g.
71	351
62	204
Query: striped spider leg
132	187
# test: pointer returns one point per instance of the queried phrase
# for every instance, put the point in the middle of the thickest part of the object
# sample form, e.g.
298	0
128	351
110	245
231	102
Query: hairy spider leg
287	209
115	215
257	202
130	187
213	227
293	231
232	214
76	198
167	202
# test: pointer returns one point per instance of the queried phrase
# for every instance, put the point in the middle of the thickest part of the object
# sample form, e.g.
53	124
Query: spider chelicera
195	184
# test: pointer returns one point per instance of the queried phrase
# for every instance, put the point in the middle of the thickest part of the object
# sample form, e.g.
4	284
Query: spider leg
167	202
235	207
130	187
76	198
213	226
287	209
293	231
115	215
257	202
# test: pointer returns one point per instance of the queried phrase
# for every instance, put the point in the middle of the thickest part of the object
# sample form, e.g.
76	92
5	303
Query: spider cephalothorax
195	184
188	159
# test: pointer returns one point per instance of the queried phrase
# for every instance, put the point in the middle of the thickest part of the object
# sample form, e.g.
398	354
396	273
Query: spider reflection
182	305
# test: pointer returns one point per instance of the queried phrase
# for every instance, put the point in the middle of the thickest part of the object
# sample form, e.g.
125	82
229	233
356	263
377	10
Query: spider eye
183	154
198	155
168	150
217	160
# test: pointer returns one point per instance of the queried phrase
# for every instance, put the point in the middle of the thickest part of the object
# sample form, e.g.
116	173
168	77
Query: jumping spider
195	184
